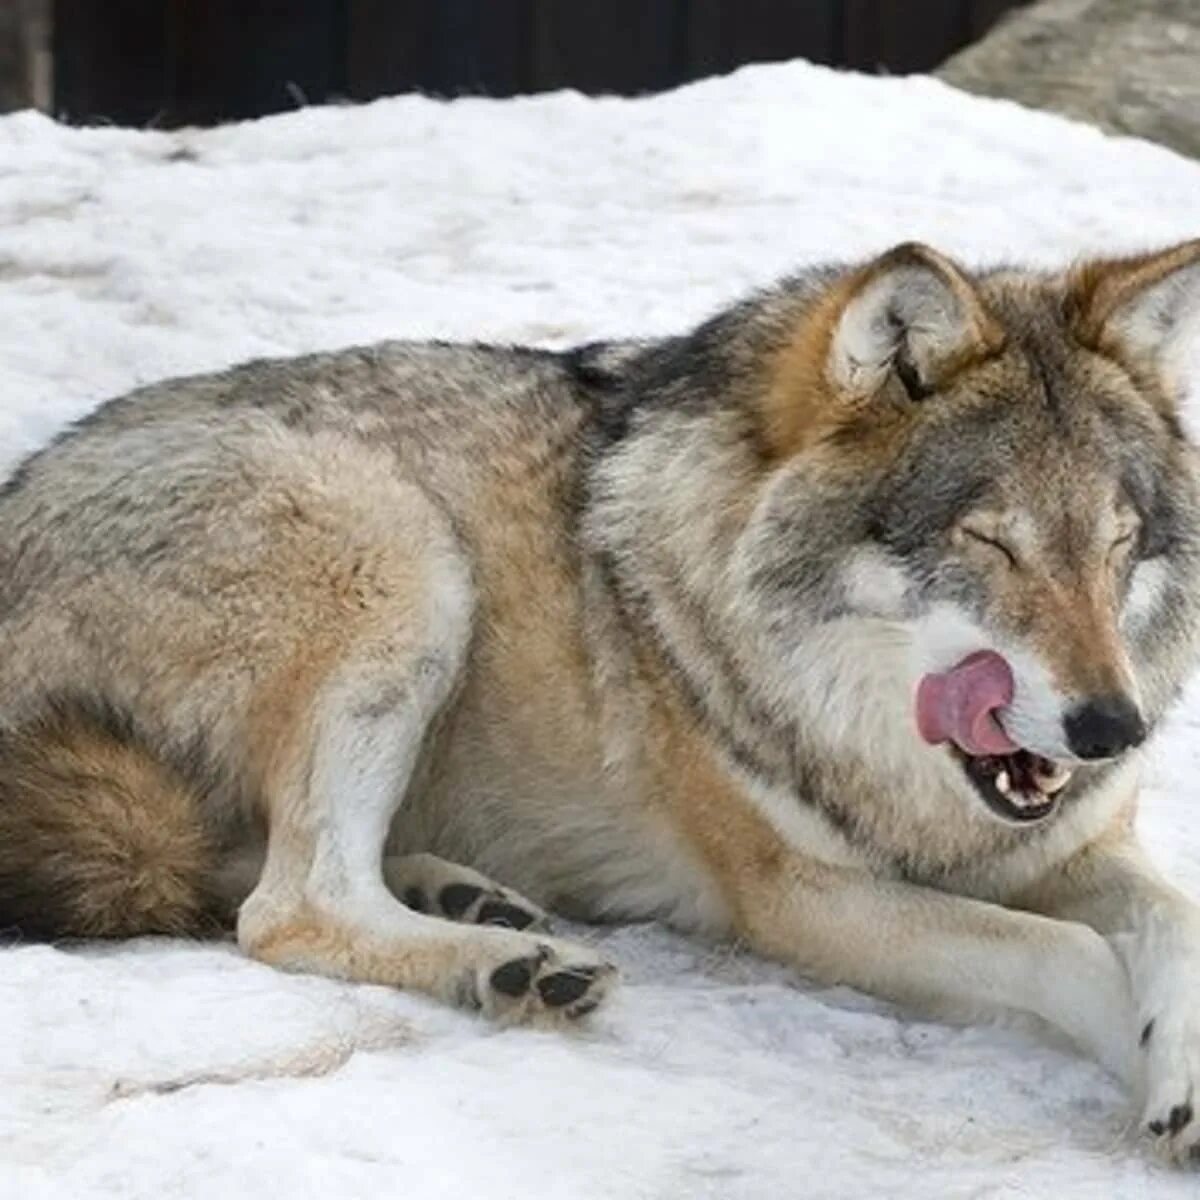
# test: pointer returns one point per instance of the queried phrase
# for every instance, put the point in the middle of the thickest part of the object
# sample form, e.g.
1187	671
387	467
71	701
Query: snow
168	1070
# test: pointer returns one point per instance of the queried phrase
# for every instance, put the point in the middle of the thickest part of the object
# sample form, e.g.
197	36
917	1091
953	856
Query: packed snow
163	1069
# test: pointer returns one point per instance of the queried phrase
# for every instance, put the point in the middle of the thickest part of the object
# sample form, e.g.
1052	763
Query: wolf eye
1123	544
991	541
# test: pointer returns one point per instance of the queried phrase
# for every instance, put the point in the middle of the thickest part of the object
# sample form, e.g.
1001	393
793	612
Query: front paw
1170	1042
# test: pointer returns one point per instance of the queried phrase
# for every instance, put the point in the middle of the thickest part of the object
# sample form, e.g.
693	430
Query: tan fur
1098	288
1072	622
908	942
637	631
797	408
104	838
803	406
736	843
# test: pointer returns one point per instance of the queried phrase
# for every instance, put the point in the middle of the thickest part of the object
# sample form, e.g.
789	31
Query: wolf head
951	522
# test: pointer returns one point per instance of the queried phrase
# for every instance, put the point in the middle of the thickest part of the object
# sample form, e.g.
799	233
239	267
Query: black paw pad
500	912
415	899
1157	1128
456	898
1179	1116
513	978
565	987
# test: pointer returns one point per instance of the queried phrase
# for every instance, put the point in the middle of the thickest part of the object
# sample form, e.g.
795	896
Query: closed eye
992	542
1124	543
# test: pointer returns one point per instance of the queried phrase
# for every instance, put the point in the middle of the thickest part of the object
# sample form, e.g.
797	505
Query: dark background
176	62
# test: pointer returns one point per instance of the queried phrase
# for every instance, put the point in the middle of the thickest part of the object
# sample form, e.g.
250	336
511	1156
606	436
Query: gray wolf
837	625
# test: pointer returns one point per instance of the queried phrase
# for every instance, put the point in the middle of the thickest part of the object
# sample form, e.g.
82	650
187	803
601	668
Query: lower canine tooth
1002	784
1054	781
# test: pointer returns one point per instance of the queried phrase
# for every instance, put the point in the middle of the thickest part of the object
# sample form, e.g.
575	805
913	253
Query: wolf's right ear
910	318
914	314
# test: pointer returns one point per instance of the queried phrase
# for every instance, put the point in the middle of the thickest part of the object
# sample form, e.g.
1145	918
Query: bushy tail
98	838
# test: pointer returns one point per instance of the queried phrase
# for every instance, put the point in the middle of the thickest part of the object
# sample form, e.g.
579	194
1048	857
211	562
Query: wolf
837	625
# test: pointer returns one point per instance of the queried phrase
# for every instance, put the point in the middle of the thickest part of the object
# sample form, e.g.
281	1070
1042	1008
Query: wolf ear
1138	305
911	313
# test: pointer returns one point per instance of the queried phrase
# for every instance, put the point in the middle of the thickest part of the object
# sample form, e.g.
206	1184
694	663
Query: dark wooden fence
173	62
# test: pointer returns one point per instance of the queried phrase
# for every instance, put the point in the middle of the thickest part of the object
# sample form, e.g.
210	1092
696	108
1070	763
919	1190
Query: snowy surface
173	1071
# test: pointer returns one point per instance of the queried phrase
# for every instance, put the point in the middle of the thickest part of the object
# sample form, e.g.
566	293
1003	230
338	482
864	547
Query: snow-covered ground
166	1070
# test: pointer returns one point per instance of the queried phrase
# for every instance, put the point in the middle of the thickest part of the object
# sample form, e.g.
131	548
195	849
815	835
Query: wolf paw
548	981
431	885
1171	1044
489	905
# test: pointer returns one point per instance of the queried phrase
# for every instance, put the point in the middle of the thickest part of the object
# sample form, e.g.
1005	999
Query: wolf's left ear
1136	306
914	314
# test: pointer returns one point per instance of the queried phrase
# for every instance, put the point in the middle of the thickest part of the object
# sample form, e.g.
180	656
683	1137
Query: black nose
1104	727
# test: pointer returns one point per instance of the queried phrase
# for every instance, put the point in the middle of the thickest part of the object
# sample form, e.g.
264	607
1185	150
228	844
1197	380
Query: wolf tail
98	837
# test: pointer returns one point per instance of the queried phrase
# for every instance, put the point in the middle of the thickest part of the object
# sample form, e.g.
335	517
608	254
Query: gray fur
581	577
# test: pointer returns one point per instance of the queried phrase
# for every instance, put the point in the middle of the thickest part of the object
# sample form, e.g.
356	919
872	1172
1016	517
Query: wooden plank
487	46
983	14
295	53
770	30
621	46
901	39
446	47
24	47
206	61
176	61
861	35
110	61
388	47
722	36
233	59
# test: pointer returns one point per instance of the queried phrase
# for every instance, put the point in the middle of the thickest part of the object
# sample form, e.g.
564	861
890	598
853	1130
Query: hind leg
428	884
337	777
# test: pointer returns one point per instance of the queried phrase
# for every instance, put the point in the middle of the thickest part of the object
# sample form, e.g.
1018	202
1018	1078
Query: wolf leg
938	951
838	922
339	773
428	884
1155	930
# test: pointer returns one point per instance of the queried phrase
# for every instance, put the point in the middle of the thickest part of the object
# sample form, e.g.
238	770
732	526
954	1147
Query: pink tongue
960	705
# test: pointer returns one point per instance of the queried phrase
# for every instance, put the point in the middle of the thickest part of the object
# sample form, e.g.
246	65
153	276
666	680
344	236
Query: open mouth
961	708
1020	787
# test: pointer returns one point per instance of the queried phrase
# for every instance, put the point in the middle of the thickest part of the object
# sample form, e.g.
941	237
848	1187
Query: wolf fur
320	647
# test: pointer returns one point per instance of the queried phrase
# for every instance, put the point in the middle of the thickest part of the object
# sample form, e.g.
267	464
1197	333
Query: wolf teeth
1053	781
1003	786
